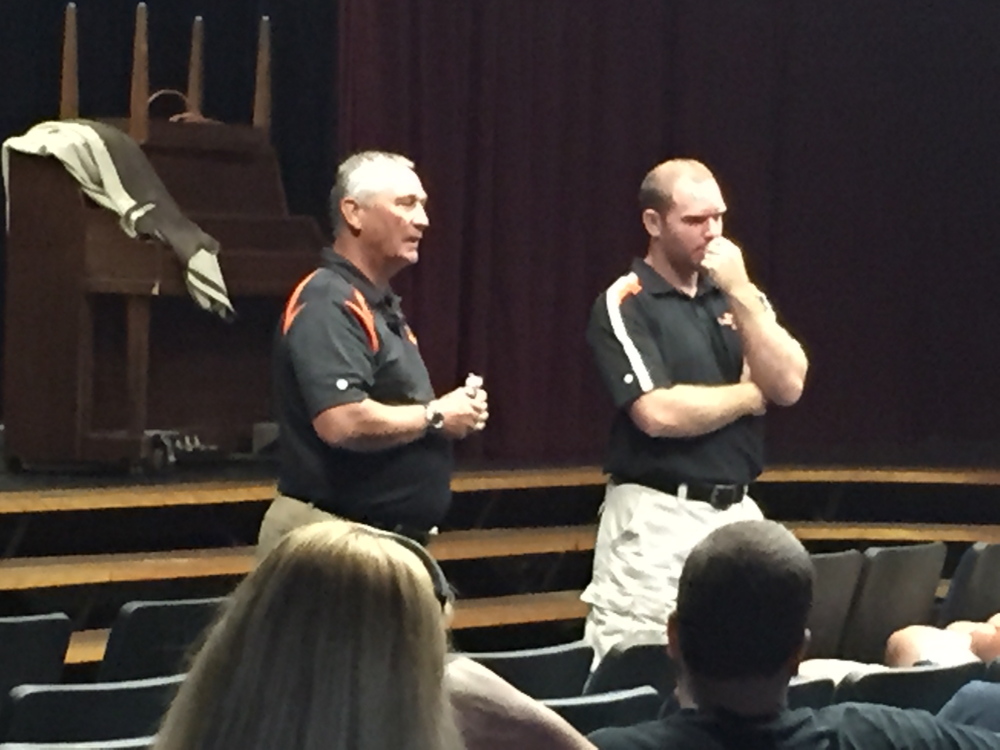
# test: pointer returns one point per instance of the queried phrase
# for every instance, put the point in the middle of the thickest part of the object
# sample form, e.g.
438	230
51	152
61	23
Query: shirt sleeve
624	347
332	355
871	726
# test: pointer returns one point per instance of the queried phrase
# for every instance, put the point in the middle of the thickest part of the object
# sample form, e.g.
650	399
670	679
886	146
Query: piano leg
85	376
137	332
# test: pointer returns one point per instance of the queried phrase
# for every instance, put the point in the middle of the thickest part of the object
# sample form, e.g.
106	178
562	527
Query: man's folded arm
691	410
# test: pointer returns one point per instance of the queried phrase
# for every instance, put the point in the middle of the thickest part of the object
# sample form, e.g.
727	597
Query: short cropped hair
361	176
657	188
743	601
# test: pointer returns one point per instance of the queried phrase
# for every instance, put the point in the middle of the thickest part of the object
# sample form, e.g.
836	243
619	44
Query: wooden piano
105	353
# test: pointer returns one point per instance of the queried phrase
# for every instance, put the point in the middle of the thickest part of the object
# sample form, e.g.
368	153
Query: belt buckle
724	495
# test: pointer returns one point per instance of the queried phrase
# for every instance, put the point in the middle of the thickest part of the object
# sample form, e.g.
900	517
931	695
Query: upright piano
105	352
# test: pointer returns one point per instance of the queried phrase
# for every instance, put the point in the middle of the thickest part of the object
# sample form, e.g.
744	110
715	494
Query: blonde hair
334	642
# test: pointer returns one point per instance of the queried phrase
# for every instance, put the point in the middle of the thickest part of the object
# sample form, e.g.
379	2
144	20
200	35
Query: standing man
692	354
362	436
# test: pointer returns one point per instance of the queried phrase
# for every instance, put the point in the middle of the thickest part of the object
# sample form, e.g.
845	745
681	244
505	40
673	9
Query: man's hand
465	411
723	262
747	377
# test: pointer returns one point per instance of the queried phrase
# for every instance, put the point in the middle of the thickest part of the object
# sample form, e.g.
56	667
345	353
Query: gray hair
361	176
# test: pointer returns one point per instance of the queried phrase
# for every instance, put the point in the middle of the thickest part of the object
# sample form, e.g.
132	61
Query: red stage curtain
855	141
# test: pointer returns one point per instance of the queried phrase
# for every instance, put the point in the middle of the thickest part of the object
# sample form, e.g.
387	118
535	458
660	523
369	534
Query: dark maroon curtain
856	142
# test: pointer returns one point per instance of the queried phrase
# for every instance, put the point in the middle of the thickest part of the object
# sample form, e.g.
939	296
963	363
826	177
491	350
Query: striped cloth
113	171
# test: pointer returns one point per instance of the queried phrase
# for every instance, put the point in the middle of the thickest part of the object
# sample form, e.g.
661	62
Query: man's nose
420	218
714	227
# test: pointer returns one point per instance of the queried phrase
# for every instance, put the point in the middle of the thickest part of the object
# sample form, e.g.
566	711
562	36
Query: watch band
434	417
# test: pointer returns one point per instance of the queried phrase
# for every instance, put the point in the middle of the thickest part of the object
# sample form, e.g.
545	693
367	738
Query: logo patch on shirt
727	319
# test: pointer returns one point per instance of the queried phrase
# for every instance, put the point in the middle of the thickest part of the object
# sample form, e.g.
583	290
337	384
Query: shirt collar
386	300
375	296
657	285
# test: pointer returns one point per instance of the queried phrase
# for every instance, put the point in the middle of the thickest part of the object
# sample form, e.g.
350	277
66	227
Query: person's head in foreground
739	628
336	640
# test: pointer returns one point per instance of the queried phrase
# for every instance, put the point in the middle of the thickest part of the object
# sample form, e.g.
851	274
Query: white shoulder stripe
613	300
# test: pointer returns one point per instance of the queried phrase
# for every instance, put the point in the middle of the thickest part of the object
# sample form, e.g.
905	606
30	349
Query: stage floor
231	469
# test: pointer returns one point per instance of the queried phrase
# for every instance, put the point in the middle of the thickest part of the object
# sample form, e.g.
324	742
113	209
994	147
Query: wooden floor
75	498
20	574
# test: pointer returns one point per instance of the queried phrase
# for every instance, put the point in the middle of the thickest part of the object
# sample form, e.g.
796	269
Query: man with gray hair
361	434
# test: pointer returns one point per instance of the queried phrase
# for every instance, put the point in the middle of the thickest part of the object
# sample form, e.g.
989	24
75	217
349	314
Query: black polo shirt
842	726
645	334
342	340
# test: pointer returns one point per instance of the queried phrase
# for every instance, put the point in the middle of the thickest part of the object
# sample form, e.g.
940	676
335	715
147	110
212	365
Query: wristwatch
434	417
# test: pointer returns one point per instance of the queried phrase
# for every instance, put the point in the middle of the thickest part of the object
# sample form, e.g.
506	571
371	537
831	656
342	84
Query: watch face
435	418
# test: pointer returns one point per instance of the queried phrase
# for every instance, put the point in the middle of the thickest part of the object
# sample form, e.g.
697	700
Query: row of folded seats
860	598
141	669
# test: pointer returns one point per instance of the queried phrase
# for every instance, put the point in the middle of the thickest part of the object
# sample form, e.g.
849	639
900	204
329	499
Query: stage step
73	570
209	493
87	646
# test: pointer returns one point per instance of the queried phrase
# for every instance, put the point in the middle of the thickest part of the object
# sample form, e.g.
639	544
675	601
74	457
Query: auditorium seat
620	708
547	672
139	743
928	688
810	693
896	589
632	663
153	638
974	592
88	712
837	576
993	671
32	649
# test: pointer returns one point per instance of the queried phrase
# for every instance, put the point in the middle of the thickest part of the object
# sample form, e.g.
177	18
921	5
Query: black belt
719	496
421	536
418	535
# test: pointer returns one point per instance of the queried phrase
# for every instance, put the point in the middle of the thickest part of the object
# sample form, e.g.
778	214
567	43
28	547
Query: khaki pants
286	514
642	541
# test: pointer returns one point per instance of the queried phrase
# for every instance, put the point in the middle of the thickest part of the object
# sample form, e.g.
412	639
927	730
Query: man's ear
673	638
350	209
800	653
653	222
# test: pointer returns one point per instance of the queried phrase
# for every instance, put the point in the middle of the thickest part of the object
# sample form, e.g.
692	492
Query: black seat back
620	708
89	712
32	649
632	664
897	589
974	593
928	688
153	638
547	672
810	693
837	577
138	743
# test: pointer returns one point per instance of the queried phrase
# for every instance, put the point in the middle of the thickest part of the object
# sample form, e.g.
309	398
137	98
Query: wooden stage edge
242	491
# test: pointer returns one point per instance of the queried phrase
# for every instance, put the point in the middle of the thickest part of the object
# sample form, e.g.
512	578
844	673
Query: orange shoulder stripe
292	307
631	286
359	308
